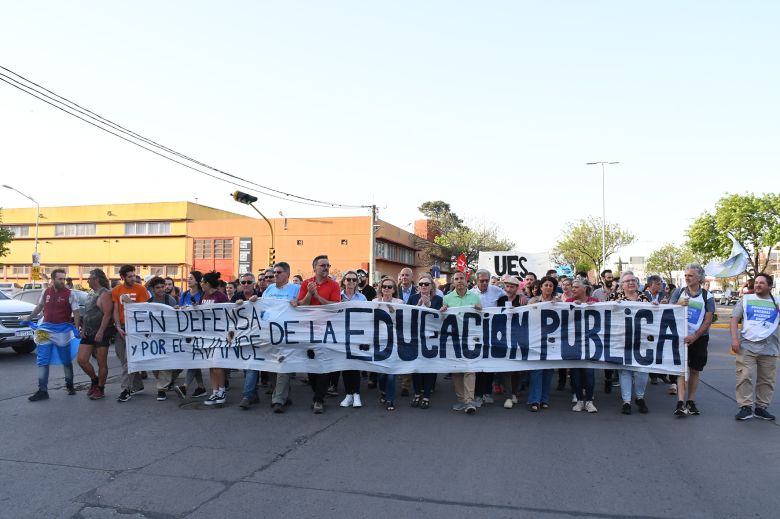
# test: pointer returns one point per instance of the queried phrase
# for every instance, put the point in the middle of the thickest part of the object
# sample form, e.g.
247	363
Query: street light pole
245	198
603	210
37	212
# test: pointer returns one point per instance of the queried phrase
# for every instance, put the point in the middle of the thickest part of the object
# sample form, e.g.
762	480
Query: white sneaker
348	401
356	401
508	403
589	407
514	399
579	406
672	389
573	399
215	398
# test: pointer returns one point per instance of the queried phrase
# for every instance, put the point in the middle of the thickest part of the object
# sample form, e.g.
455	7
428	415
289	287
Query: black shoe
278	408
124	396
161	395
691	406
137	391
70	389
626	409
762	413
745	413
200	391
640	402
680	409
39	395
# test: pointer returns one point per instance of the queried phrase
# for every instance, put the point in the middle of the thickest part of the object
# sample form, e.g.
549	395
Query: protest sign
514	263
274	336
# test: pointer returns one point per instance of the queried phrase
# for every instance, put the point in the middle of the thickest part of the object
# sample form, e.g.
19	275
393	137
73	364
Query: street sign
36	273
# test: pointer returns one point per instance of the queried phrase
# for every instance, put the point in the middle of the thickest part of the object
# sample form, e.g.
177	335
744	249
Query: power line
70	105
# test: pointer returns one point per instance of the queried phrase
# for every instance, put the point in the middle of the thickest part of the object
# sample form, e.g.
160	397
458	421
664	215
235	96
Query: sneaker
762	413
690	405
514	399
216	398
161	395
124	396
508	404
277	408
626	409
98	394
573	399
470	408
680	409
487	399
589	407
672	389
70	389
348	401
356	401
579	406
318	407
458	407
91	392
180	391
137	391
640	402
332	391
39	395
745	413
201	391
244	403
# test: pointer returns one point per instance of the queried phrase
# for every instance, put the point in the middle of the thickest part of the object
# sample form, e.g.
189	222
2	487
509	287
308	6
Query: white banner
515	263
274	336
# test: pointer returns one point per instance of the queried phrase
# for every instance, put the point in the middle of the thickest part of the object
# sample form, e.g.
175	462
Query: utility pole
603	211
372	252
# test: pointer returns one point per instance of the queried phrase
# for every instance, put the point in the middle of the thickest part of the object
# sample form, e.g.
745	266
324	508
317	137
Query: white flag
732	267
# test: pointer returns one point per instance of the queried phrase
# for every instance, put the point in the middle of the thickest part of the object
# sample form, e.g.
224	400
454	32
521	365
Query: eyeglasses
350	280
247	282
423	284
387	287
269	277
277	272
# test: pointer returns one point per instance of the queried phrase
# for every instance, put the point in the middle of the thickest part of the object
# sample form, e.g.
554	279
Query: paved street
71	457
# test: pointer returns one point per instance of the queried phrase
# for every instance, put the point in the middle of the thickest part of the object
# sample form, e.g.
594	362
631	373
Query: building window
20	270
84	270
223	249
299	242
393	252
75	229
344	242
48	269
115	270
147	228
203	249
172	271
19	231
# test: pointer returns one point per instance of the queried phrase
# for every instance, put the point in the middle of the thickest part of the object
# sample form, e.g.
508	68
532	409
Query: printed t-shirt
136	292
288	292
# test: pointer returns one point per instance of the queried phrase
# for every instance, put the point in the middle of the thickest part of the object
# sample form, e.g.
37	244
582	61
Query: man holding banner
57	335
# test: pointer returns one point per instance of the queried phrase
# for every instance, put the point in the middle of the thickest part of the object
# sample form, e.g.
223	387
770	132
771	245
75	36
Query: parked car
9	288
717	294
33	295
12	333
729	297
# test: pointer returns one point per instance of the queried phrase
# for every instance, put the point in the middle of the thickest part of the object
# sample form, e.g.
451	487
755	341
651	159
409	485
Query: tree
581	242
753	221
456	237
5	238
669	258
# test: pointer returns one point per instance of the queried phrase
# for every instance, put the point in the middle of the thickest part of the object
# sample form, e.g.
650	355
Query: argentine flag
57	343
732	267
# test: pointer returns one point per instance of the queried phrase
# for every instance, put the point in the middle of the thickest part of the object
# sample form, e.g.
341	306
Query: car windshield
3	296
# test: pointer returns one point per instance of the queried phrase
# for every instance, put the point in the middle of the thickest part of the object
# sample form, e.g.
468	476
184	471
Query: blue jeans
582	381
250	384
539	388
387	386
639	380
43	357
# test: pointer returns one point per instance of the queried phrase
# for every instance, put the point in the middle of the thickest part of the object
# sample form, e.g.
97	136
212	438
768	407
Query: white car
9	288
12	333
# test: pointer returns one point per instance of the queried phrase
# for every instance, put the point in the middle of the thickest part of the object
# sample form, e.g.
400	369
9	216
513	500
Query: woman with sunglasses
387	293
349	292
427	298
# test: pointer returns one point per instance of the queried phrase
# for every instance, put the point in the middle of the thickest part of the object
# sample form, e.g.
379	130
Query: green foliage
669	258
5	238
581	243
754	221
456	237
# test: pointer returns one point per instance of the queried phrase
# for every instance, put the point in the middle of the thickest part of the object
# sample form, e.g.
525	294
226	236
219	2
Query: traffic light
244	198
271	256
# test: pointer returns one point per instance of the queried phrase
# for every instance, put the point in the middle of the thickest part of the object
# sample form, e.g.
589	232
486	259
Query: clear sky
493	107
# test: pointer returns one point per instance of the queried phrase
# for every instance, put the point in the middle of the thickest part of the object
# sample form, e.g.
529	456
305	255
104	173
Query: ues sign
514	263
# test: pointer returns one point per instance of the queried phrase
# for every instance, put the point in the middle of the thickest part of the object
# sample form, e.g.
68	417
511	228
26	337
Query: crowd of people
101	323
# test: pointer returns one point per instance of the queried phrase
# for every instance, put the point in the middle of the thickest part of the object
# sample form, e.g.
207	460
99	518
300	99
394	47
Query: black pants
483	384
423	383
319	384
351	382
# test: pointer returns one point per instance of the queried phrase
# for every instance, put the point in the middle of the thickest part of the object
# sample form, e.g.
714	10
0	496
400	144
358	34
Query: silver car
12	333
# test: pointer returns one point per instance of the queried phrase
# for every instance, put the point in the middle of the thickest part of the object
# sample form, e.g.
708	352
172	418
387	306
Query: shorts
697	353
108	336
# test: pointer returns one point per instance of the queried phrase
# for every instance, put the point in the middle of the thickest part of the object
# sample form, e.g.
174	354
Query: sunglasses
350	280
269	277
277	272
423	284
387	287
247	282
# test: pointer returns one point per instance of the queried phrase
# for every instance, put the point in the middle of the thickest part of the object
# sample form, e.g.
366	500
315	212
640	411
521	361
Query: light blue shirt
356	297
288	292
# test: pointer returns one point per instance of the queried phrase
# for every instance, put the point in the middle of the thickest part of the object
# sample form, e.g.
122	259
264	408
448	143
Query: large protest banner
514	263
387	338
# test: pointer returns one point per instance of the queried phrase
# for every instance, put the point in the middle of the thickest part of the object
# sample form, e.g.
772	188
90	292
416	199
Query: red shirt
56	306
328	289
